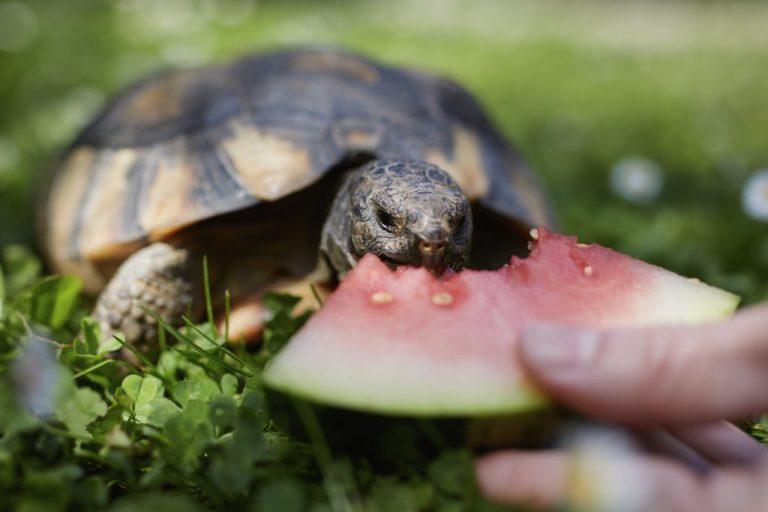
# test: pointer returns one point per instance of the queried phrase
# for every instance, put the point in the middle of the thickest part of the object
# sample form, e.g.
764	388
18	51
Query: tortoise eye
386	220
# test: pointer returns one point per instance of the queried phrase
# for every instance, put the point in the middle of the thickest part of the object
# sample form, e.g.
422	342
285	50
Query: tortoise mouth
435	269
392	262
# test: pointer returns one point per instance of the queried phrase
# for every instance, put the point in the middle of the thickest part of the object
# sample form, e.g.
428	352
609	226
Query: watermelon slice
402	342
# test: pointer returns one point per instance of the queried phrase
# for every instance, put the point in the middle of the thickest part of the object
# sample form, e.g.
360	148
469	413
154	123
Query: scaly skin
158	279
407	212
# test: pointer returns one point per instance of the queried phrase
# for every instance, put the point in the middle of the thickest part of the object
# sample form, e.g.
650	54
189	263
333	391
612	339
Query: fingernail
558	347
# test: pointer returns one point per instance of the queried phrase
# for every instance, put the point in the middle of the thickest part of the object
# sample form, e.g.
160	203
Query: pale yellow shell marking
467	165
361	139
268	166
336	63
532	197
468	171
167	205
67	193
160	100
103	213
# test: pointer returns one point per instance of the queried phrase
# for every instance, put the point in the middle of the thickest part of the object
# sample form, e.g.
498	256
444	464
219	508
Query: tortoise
283	168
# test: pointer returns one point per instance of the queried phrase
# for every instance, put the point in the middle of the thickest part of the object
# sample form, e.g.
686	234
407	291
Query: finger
737	490
722	443
537	479
656	375
635	483
586	483
662	443
704	447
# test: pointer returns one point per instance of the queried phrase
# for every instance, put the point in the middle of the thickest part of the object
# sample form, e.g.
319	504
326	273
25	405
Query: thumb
655	376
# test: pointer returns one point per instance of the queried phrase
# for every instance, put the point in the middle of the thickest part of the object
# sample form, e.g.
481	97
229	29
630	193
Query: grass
189	427
577	87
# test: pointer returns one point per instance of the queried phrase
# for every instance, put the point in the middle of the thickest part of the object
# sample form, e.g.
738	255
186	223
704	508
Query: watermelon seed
442	299
588	271
534	234
382	298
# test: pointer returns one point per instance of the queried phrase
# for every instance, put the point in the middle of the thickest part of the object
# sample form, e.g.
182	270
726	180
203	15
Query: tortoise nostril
431	247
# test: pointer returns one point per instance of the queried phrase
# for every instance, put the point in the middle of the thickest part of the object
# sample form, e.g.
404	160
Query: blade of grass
183	339
227	309
316	294
2	294
212	340
207	291
141	357
161	341
191	344
92	368
163	326
219	348
337	497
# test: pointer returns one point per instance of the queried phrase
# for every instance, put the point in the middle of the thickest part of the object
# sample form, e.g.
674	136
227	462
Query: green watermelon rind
282	375
525	398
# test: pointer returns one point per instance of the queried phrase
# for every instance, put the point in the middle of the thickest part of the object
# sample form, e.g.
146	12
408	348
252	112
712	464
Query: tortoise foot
156	280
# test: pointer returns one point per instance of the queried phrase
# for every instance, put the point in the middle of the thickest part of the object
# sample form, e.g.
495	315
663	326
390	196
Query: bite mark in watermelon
403	342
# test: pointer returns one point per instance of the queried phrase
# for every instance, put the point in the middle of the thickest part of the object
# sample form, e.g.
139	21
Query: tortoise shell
185	146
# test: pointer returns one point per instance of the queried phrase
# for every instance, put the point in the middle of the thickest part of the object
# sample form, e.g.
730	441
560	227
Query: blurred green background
646	120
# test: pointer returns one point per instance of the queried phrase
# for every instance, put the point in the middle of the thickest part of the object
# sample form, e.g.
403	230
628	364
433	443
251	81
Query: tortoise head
405	212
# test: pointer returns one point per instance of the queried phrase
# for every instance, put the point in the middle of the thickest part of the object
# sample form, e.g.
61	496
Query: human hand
674	385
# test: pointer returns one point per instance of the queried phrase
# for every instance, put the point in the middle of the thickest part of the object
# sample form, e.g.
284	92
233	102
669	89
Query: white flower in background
36	377
637	179
754	195
19	26
604	475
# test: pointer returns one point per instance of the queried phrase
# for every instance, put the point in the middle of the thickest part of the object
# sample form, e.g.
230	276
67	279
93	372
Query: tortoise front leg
155	279
248	315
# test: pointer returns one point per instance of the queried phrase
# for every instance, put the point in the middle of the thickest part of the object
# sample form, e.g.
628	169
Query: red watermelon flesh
404	342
